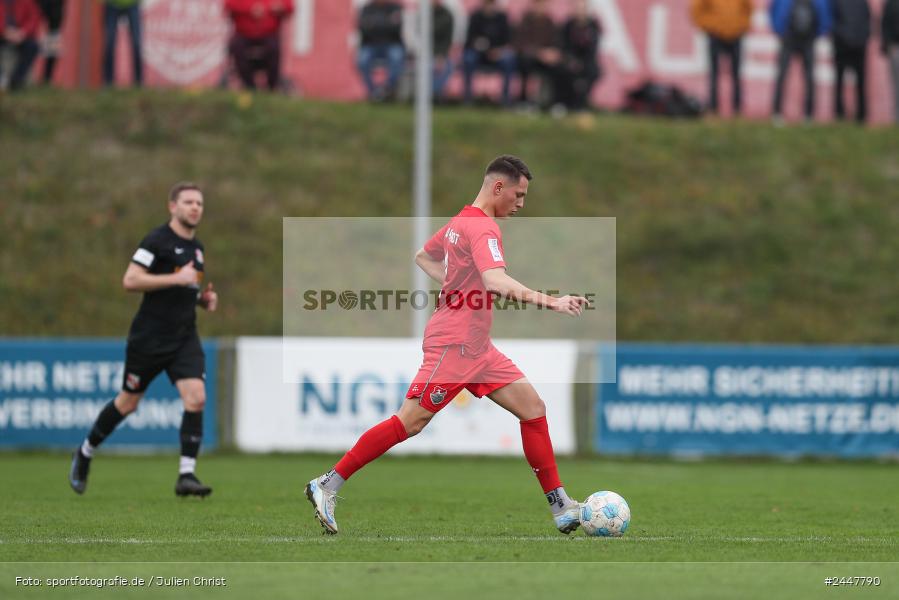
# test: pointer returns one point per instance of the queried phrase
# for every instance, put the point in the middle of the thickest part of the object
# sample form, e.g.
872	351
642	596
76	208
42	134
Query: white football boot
569	520
324	502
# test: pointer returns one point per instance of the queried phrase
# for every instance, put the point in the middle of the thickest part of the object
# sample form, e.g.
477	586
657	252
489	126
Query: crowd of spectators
32	27
554	64
799	24
564	57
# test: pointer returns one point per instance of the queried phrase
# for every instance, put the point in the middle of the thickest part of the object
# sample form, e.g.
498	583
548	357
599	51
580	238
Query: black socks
106	422
191	433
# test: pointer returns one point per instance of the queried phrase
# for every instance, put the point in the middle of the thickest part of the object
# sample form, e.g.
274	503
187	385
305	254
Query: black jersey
167	316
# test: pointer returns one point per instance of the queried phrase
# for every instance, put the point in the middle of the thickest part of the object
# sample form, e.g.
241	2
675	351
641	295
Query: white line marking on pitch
445	539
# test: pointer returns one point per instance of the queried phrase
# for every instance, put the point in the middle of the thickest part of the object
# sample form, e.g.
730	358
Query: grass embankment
726	231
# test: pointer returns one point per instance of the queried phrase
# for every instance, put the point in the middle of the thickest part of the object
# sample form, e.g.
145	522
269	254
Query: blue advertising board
52	390
749	400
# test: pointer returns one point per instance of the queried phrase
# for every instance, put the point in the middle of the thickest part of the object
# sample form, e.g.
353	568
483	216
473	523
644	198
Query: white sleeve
144	257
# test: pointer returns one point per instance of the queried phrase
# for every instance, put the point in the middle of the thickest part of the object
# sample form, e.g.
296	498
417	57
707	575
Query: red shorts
446	371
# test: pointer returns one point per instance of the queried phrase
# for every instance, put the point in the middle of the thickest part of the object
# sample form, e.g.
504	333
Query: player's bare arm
497	281
139	279
209	299
435	269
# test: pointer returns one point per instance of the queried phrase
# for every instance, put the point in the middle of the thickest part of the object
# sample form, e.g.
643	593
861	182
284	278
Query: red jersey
469	244
26	16
249	25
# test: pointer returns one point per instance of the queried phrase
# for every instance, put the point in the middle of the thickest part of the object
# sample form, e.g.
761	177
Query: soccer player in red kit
466	257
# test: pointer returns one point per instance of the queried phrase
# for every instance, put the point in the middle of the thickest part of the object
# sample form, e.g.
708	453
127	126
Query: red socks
373	443
538	449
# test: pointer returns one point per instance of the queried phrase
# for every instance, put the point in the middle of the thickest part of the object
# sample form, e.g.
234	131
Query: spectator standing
580	65
20	20
256	42
889	45
488	45
54	11
725	22
536	43
381	41
443	25
851	32
798	23
114	11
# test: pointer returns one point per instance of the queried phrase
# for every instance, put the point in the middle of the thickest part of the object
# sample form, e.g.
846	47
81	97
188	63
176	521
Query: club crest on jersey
199	256
132	381
438	394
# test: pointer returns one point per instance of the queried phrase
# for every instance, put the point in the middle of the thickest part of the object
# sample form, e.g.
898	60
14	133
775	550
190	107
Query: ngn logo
367	391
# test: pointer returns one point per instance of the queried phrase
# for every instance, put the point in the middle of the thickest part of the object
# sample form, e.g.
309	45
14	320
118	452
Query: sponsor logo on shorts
438	395
132	381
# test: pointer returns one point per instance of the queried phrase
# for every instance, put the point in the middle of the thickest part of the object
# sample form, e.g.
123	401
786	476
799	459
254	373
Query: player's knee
195	402
536	408
127	403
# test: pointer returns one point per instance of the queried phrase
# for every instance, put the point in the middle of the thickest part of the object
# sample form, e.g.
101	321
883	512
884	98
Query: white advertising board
343	386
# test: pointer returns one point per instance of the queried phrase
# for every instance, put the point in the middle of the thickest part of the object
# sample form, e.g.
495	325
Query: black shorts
187	361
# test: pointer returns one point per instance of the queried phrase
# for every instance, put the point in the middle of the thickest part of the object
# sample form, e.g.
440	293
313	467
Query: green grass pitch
450	527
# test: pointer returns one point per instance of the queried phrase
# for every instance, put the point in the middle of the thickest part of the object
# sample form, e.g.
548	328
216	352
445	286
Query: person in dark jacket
536	43
851	31
381	41
798	23
487	45
889	45
19	23
443	24
580	65
54	12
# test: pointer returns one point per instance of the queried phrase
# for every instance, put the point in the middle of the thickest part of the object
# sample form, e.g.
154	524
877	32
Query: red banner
184	45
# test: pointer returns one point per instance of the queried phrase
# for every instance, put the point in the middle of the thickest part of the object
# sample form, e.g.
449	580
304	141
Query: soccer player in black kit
168	269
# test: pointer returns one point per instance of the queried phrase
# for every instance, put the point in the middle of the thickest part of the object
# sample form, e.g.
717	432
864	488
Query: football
605	514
